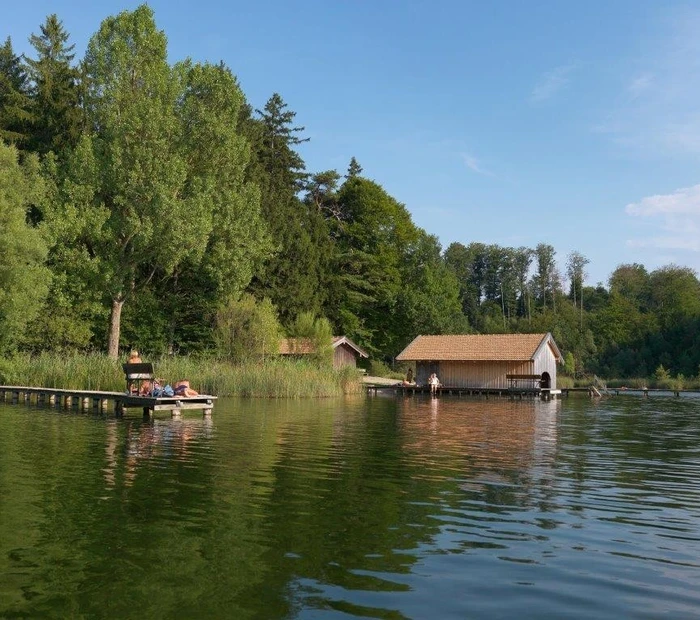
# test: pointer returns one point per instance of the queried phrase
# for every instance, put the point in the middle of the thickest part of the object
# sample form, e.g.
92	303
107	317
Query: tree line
150	204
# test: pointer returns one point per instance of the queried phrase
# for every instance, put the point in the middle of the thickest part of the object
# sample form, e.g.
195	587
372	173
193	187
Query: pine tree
54	90
15	105
354	169
293	277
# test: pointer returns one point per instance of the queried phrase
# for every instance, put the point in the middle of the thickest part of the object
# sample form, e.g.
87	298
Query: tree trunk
115	323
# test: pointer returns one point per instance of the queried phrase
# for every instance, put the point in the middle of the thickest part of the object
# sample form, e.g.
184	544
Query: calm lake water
369	507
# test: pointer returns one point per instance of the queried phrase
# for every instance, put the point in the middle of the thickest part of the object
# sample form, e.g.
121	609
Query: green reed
271	379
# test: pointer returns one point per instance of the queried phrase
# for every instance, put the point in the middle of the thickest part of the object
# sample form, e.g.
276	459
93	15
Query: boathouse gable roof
304	346
478	347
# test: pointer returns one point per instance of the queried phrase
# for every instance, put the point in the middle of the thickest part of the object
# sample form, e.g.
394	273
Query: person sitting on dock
434	383
134	358
182	388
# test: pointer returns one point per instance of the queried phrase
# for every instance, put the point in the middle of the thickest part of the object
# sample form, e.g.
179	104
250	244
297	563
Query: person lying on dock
157	389
182	388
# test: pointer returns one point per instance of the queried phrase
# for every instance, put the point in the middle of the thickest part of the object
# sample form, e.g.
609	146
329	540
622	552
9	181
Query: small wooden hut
345	351
494	361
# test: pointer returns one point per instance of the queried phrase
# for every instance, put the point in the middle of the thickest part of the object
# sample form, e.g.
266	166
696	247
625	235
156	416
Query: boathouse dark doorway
545	381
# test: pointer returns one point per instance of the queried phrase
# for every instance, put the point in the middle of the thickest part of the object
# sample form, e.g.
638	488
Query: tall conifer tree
15	104
54	90
293	277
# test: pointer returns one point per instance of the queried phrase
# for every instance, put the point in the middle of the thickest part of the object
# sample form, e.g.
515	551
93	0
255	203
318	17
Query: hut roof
304	346
481	347
338	340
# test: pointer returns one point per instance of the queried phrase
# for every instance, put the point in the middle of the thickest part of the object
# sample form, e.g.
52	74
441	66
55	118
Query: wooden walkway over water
513	392
645	392
101	402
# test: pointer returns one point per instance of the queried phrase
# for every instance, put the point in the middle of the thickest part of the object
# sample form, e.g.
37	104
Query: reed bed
271	379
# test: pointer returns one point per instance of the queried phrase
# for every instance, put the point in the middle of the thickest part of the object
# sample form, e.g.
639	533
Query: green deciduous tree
307	327
158	181
247	329
575	271
428	301
24	277
675	295
546	279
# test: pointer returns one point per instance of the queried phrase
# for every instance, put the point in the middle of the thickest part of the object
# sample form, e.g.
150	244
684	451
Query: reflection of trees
367	497
251	517
115	522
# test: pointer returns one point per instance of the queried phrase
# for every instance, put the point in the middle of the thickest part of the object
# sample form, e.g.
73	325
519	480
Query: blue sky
574	124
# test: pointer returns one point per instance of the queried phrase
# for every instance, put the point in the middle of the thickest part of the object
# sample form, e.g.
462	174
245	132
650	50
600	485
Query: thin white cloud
675	215
551	83
682	201
474	165
640	84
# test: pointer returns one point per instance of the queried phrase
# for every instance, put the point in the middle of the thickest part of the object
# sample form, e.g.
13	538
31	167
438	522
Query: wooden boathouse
345	351
496	363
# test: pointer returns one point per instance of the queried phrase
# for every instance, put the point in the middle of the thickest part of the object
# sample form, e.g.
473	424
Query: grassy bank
272	379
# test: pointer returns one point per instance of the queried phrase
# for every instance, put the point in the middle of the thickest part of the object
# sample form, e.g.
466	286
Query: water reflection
389	508
130	444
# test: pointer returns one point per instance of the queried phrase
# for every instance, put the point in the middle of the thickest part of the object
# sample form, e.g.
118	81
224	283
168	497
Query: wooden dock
101	402
512	392
645	392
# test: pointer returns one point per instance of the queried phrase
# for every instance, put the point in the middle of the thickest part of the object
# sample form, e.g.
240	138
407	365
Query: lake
377	507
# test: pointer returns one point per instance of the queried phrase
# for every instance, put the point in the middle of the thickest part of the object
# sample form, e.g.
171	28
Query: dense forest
150	204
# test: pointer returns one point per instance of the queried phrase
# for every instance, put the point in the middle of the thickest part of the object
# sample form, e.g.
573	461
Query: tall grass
272	379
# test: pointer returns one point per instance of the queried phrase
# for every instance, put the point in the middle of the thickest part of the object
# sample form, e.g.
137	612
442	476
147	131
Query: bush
662	379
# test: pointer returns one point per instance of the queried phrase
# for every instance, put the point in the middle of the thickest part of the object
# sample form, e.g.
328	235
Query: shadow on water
379	507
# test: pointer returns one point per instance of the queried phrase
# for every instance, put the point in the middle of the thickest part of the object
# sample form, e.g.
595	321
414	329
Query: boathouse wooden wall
472	374
344	355
488	374
546	361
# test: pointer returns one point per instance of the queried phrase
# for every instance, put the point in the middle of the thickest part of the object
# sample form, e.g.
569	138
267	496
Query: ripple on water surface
380	507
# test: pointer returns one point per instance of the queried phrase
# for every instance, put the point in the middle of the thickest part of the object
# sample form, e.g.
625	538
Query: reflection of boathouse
486	361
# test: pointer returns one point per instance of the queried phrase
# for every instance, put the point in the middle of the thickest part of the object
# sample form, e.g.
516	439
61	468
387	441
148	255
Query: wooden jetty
99	402
645	392
508	392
